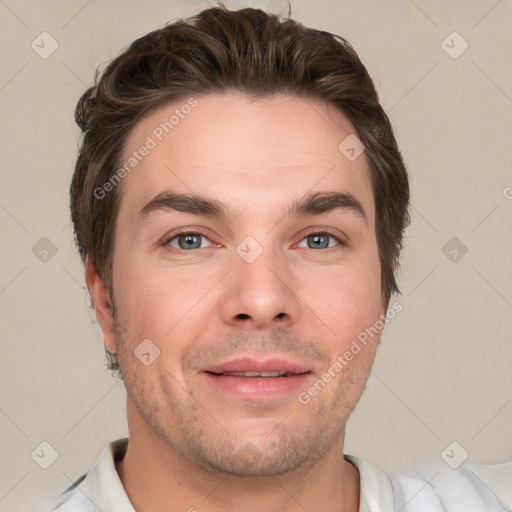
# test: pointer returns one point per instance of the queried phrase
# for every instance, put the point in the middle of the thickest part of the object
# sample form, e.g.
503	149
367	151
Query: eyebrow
312	204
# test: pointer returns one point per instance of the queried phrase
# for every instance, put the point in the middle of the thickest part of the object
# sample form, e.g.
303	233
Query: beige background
444	370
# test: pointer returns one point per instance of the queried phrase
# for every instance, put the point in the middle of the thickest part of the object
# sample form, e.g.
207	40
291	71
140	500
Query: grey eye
319	241
187	241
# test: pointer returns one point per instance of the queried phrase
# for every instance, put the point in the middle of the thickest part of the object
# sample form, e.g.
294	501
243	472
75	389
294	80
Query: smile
257	379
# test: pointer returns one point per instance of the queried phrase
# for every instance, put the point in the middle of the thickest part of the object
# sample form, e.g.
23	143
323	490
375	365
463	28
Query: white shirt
471	488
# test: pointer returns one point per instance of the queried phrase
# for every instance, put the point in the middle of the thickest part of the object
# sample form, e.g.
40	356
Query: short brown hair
222	51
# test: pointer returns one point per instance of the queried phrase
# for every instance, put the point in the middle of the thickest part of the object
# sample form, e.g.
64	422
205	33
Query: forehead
247	152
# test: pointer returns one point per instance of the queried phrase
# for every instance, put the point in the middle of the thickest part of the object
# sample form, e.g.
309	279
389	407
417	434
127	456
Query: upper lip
248	364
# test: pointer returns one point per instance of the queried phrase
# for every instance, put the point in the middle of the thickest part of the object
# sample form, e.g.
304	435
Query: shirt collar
376	491
106	490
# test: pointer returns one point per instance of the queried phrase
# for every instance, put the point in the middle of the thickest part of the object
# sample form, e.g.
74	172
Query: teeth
252	374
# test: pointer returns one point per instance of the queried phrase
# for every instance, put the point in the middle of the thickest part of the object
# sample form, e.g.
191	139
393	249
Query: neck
158	479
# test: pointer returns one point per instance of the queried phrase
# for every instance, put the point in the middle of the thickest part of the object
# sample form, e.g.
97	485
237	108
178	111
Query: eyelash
342	242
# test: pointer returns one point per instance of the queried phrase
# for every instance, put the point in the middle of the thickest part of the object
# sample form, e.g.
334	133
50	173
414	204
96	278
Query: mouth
258	380
257	375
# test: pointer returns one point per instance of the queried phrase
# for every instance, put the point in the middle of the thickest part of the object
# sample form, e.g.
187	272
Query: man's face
263	288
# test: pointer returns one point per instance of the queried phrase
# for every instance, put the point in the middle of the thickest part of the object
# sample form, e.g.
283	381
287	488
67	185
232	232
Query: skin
191	444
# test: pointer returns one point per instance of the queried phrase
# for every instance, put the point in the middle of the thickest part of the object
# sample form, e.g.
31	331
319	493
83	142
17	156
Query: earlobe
102	303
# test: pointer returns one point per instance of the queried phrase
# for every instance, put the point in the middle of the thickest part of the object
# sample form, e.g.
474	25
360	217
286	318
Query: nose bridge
260	272
258	292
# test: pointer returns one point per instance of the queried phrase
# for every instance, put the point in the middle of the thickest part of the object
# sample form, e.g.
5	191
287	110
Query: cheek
161	303
145	297
349	303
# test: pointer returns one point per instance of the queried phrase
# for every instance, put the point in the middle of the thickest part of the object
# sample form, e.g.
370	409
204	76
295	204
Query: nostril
243	316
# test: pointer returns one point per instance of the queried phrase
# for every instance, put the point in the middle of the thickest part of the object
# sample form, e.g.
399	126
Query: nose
260	294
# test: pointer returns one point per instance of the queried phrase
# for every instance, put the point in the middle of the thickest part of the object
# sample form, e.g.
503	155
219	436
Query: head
232	124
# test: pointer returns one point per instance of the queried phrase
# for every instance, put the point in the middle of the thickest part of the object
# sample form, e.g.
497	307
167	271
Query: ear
102	305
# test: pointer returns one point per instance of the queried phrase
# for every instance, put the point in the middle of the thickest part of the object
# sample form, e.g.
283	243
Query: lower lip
264	388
